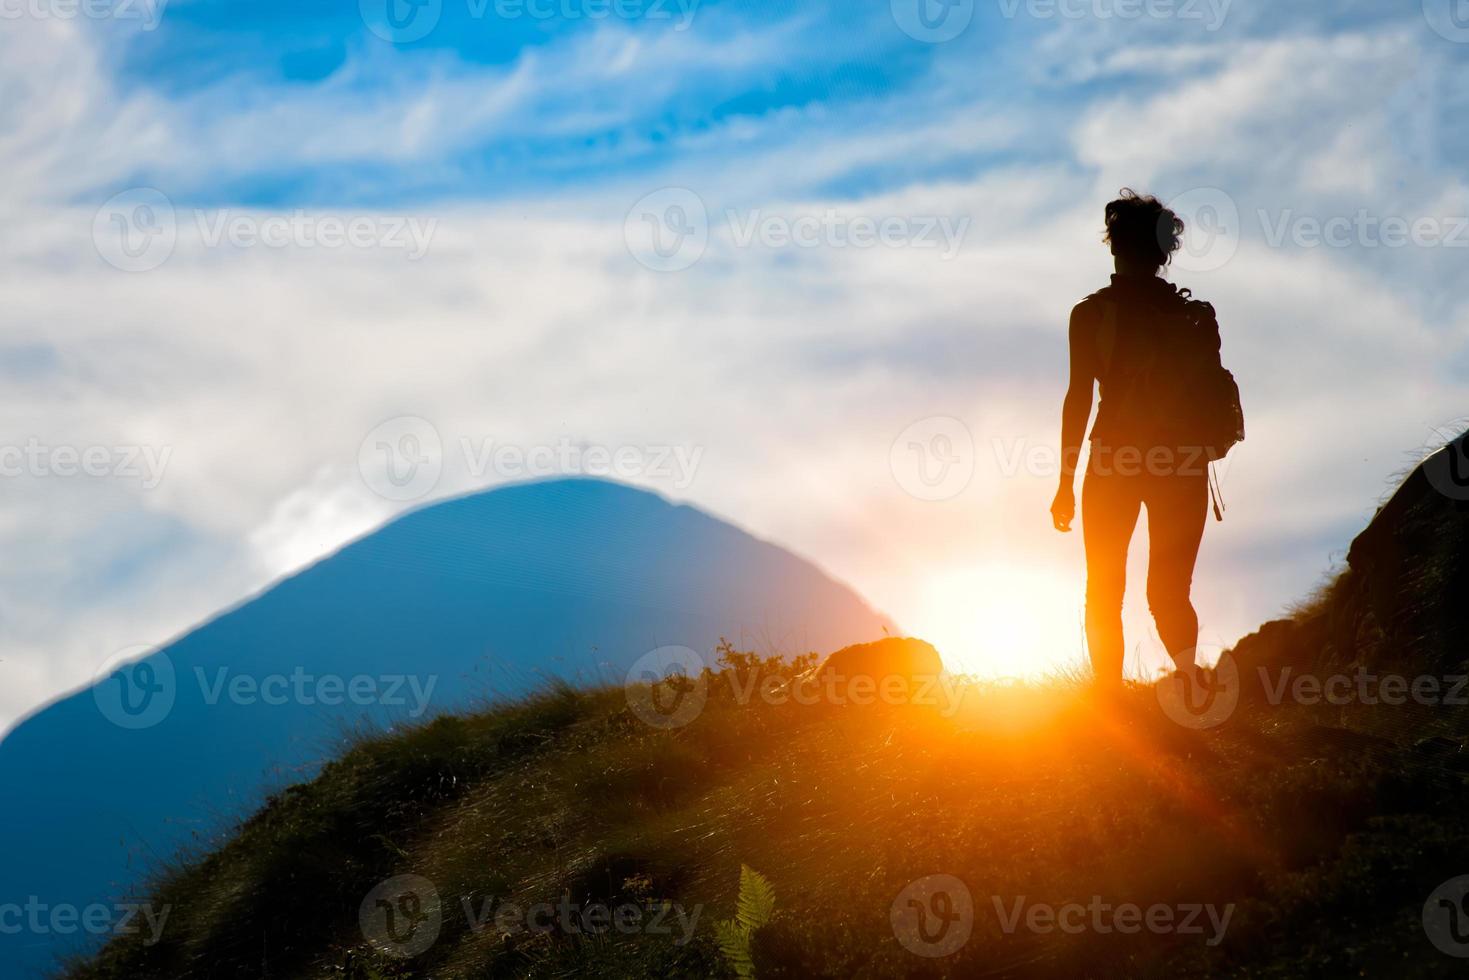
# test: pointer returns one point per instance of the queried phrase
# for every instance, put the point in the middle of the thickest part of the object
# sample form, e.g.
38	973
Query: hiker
1168	408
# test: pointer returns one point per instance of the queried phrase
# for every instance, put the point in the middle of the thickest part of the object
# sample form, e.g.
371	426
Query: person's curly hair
1139	227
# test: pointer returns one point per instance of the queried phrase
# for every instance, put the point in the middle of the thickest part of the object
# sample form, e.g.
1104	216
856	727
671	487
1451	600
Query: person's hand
1063	508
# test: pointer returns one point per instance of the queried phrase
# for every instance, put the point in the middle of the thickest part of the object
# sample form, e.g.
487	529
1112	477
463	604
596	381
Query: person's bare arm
1076	411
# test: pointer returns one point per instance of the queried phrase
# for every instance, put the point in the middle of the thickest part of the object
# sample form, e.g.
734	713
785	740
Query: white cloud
263	369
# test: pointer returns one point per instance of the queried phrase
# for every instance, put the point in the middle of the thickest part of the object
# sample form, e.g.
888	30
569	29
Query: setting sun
1001	620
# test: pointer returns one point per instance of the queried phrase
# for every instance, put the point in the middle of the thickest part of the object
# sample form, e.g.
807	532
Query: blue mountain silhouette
482	596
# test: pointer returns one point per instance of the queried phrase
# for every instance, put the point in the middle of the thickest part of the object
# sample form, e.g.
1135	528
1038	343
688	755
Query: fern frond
757	899
734	943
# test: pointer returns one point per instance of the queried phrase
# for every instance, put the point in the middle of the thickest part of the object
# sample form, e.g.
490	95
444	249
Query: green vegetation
756	906
1327	844
1323	828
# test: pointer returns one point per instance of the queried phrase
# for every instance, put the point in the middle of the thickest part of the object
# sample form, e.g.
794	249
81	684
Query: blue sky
523	147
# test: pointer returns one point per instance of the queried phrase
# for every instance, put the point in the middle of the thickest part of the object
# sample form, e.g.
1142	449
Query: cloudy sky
273	272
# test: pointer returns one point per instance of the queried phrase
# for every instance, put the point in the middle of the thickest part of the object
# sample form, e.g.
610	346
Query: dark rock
895	670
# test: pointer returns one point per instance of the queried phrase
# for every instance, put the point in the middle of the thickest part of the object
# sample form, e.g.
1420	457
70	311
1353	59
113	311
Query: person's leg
1178	509
1109	511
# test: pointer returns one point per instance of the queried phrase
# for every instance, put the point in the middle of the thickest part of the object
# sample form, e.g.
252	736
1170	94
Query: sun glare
999	621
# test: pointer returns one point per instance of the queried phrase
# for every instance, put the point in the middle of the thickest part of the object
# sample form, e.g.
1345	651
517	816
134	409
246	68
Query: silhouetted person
1167	409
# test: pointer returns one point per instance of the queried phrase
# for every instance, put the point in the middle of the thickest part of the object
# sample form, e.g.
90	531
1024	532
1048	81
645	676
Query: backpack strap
1216	495
1203	315
1105	340
1107	336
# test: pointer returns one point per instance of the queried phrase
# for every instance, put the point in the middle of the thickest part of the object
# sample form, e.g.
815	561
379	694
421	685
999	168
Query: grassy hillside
1327	844
1321	829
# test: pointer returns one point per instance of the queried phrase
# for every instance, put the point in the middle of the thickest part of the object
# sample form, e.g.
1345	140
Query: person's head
1142	232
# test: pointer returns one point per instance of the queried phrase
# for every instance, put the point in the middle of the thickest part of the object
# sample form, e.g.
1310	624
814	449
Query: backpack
1177	391
1213	412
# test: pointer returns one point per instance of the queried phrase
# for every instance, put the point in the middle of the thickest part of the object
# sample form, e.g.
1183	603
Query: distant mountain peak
487	595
